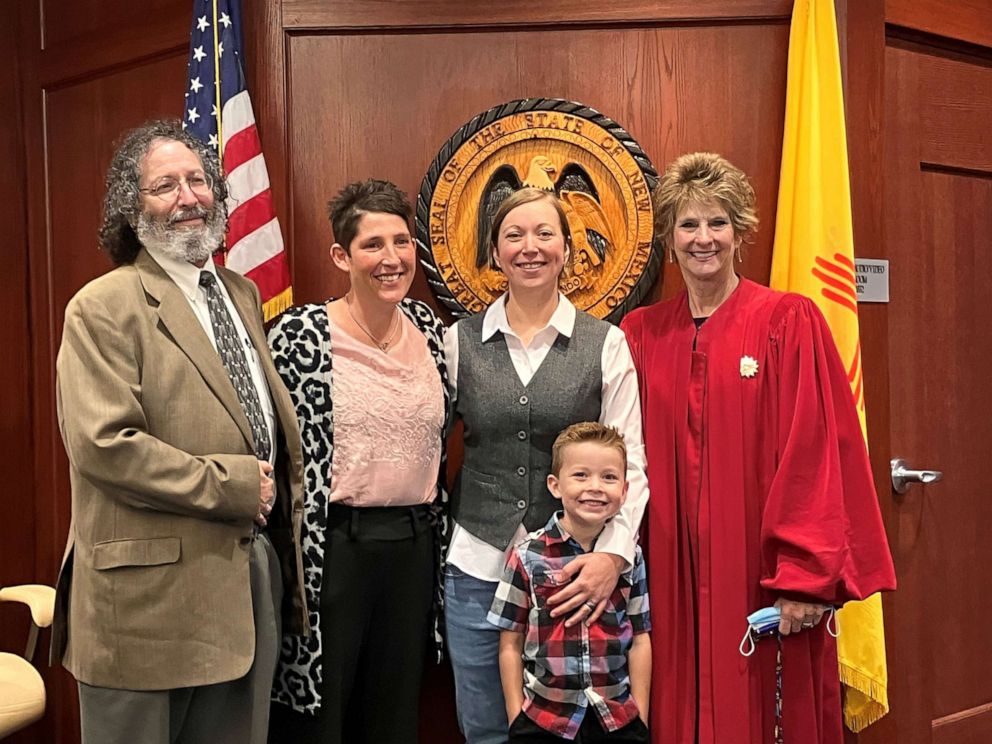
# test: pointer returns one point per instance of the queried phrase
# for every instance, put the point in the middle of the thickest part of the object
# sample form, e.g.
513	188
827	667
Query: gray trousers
235	712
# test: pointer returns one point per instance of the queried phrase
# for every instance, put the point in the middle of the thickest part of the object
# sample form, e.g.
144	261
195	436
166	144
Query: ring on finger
590	604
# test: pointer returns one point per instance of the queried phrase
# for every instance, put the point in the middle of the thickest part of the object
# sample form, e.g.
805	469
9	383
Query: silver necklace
383	345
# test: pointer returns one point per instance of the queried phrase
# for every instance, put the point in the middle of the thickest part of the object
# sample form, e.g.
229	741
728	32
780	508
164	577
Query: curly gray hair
122	200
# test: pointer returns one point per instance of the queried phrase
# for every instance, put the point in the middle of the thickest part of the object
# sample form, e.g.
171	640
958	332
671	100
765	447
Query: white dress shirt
621	408
187	278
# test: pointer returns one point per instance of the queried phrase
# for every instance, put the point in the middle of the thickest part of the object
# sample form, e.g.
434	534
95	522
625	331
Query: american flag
218	111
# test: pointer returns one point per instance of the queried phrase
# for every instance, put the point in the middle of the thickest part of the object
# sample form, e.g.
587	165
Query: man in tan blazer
183	563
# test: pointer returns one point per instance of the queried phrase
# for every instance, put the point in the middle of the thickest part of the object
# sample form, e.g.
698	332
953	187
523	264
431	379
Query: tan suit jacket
154	589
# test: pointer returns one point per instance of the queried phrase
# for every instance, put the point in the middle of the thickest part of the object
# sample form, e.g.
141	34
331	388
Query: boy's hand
595	576
512	711
511	672
639	669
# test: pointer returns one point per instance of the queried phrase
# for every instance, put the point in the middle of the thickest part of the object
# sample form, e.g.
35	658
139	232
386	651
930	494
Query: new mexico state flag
814	256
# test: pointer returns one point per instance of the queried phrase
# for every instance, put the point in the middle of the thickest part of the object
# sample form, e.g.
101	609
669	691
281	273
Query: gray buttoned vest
509	428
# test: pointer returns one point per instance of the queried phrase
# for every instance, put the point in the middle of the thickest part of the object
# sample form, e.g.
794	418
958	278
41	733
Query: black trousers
375	606
525	731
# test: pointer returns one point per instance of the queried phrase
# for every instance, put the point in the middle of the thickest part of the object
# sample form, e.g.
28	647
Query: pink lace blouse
388	414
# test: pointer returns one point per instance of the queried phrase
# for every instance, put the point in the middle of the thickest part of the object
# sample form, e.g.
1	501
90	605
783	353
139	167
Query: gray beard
189	244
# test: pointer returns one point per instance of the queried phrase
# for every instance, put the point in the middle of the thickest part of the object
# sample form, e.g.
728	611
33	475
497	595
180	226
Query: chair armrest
38	597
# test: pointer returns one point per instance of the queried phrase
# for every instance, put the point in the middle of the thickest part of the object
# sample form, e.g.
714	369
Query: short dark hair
361	197
122	200
586	431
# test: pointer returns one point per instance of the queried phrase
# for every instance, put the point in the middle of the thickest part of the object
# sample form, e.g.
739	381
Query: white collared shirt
621	408
187	277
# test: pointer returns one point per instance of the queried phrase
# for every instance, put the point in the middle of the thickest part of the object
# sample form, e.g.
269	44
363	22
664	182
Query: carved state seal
601	175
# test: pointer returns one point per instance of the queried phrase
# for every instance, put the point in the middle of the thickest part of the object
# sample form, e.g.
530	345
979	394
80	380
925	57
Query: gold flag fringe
866	699
278	304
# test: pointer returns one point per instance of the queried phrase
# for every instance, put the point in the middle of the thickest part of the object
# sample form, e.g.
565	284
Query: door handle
903	476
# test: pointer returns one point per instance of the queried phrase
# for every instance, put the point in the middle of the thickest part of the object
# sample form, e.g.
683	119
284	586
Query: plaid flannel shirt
568	669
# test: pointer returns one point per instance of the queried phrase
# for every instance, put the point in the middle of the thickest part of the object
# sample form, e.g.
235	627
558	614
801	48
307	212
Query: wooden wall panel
938	680
964	20
64	22
17	525
382	105
956	115
337	14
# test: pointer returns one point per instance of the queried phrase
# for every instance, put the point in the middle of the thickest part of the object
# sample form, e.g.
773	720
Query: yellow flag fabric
814	256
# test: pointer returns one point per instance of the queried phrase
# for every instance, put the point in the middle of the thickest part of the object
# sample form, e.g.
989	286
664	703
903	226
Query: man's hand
267	493
798	616
594	577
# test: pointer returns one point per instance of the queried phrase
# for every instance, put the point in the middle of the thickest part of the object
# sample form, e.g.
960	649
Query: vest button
521	435
523	400
521	471
521	504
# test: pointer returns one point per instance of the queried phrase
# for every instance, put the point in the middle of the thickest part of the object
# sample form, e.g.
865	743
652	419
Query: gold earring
740	258
671	255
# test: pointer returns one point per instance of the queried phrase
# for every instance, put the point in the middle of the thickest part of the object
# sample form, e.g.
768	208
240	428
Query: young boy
587	683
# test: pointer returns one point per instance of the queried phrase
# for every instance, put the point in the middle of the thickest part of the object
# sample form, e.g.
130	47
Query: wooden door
938	219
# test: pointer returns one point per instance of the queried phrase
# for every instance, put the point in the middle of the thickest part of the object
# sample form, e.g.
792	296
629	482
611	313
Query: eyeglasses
168	188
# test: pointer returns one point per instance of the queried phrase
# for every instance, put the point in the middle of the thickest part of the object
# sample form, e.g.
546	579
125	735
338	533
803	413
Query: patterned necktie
229	347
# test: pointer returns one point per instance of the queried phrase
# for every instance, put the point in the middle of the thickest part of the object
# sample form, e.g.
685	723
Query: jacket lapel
178	319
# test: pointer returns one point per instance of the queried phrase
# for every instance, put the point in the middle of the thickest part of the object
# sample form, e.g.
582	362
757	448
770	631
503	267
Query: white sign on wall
871	279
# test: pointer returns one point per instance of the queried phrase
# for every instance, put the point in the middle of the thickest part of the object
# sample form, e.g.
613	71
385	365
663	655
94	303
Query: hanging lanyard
779	735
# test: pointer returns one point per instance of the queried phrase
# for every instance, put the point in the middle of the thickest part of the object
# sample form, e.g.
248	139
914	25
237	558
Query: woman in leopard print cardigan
374	461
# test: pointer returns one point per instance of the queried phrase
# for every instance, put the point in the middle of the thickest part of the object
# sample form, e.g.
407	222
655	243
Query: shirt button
521	435
521	504
521	471
523	400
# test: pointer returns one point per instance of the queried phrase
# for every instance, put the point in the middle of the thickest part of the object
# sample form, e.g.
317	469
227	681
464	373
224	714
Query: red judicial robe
760	489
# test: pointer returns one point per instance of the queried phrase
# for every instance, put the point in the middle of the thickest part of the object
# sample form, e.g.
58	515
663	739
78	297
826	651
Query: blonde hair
586	431
704	177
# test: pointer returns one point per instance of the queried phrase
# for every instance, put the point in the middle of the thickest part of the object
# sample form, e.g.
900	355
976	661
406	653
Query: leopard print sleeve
300	342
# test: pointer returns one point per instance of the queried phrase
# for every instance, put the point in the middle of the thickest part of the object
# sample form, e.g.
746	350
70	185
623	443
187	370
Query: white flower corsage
749	366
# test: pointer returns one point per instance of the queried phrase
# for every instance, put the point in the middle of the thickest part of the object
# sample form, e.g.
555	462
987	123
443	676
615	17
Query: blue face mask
760	623
764	622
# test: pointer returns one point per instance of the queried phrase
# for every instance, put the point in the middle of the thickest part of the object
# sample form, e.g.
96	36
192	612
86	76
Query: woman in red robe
761	491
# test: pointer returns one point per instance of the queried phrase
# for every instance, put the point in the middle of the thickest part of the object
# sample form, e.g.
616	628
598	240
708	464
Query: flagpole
220	130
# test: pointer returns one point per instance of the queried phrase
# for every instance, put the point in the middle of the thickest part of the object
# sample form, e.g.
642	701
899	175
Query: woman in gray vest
519	373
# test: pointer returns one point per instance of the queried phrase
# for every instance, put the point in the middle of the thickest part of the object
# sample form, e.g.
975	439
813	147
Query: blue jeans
473	644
